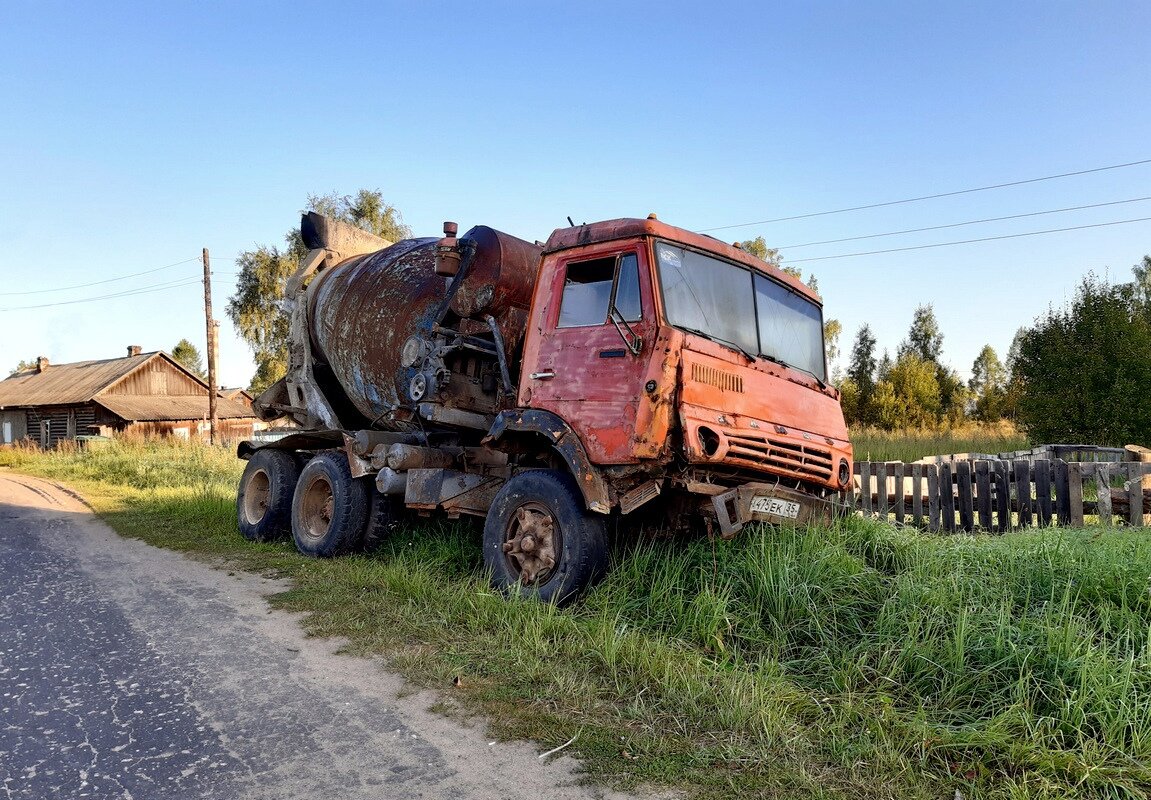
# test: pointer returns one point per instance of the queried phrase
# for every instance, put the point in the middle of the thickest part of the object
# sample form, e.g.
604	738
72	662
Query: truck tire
330	507
540	541
264	496
385	515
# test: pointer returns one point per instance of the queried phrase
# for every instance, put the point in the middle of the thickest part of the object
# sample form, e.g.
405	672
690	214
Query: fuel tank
363	309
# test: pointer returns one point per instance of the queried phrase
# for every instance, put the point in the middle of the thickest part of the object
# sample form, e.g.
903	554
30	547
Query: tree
1142	272
861	372
1083	371
883	366
832	329
988	385
23	366
924	338
255	308
188	355
914	397
849	401
1014	389
862	367
758	248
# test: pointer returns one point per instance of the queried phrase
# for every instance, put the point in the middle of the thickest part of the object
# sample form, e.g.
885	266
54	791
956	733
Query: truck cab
659	345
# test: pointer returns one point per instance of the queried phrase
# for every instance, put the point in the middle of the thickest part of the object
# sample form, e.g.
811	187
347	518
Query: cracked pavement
127	671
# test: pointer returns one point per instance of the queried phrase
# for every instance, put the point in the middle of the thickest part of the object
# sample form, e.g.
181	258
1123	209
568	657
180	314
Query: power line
142	290
929	196
961	224
969	241
98	283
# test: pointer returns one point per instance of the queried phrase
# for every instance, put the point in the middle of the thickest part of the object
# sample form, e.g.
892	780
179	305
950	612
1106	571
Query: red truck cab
655	343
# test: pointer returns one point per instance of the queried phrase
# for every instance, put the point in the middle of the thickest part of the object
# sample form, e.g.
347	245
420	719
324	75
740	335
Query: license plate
775	506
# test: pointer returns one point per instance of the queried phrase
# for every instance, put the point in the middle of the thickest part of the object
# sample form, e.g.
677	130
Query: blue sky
135	134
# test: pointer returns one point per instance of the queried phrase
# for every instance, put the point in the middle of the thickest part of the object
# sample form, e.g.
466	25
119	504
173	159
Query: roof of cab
627	228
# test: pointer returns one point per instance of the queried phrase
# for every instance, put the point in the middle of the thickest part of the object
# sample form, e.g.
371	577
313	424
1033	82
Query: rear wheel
330	507
540	540
264	496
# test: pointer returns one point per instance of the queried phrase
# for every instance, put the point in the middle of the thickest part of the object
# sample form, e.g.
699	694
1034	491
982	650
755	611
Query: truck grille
799	460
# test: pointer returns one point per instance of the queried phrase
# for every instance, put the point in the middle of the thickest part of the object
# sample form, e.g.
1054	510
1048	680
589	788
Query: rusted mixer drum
362	310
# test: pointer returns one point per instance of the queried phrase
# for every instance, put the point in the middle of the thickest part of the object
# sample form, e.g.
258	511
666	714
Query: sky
135	134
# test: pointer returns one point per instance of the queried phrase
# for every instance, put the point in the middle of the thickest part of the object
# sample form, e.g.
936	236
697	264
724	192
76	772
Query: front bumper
778	505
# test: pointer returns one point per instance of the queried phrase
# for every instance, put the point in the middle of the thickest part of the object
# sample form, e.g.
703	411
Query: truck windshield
740	308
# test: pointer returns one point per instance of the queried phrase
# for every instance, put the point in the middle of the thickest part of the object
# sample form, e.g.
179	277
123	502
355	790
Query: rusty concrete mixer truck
624	371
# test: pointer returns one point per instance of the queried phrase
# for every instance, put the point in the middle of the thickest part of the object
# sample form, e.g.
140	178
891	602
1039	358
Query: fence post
1142	455
1023	492
900	496
865	486
881	490
1002	495
946	497
1103	493
983	493
1135	482
1063	492
1075	494
932	496
917	493
966	508
1043	492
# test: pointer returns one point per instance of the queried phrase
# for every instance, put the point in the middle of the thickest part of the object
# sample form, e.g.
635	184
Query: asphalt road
132	672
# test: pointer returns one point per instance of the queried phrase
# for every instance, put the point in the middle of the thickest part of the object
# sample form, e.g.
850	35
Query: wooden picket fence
999	494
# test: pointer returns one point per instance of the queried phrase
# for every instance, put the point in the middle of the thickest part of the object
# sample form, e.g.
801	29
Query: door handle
542	376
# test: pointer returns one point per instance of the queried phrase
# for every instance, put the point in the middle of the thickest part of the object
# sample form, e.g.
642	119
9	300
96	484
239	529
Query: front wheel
539	538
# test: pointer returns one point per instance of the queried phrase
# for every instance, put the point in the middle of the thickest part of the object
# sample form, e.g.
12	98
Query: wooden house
144	393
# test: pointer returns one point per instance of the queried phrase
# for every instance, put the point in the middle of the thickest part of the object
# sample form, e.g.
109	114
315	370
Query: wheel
330	507
539	539
264	496
385	515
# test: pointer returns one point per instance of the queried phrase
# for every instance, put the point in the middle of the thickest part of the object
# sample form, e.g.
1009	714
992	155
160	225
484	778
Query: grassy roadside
861	661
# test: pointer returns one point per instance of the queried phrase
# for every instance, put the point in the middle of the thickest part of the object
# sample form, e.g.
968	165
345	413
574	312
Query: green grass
872	444
861	661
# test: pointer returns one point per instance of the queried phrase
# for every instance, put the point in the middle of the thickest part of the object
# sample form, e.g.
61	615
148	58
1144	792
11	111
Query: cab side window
589	286
627	288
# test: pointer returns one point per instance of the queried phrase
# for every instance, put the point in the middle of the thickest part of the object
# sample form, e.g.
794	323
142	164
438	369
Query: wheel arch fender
564	441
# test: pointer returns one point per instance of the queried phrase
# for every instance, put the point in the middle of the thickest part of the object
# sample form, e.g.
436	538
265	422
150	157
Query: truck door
593	347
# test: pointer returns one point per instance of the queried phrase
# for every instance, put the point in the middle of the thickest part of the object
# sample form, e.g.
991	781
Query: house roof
65	384
147	408
87	381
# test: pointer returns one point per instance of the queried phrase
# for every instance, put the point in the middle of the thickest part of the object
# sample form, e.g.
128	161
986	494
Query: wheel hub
531	542
256	497
318	508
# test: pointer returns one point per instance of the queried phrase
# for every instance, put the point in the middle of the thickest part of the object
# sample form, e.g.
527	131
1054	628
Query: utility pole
211	326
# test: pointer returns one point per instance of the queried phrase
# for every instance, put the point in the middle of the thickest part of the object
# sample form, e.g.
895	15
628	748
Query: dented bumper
778	505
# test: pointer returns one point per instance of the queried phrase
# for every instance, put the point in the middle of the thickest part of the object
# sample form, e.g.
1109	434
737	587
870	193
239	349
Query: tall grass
872	444
856	661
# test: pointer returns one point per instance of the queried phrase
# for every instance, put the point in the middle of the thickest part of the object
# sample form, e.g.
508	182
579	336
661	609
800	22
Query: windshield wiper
783	363
721	340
